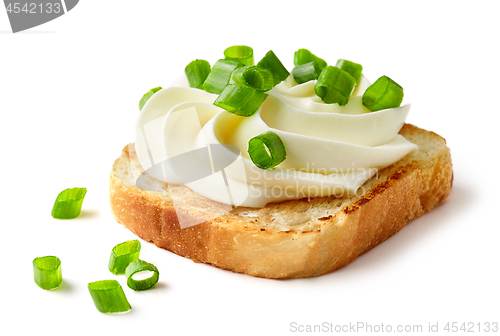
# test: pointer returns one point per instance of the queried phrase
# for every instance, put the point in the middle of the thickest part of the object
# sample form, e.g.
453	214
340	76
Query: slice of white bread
291	239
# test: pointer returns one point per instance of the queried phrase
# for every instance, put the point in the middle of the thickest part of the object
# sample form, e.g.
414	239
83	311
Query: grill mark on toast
379	189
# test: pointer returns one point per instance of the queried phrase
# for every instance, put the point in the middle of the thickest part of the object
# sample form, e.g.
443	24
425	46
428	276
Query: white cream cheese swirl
331	149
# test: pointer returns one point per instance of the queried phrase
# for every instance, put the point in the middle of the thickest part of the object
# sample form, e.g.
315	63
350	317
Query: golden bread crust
331	232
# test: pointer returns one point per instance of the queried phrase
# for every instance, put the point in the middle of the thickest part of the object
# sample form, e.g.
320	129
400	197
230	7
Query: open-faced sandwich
257	170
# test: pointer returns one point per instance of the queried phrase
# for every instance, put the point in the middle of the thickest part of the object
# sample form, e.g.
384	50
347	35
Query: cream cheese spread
182	138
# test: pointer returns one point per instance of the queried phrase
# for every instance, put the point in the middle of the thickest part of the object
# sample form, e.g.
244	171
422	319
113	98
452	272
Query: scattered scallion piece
148	95
272	63
68	203
334	85
383	94
240	53
47	272
254	76
266	150
354	69
306	72
122	255
240	99
196	72
141	266
108	296
303	56
220	75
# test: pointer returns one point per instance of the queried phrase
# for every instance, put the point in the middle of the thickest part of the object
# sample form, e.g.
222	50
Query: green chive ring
220	75
47	272
122	255
68	203
266	150
240	99
383	94
303	56
240	53
141	266
354	69
254	76
334	85
272	63
108	296
306	72
197	72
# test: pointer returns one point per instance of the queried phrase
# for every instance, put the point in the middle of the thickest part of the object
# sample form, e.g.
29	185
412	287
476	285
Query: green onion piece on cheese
47	272
254	76
354	69
334	85
68	203
240	99
141	266
122	255
383	94
108	296
306	72
240	53
196	72
148	95
272	63
220	75
266	150
303	56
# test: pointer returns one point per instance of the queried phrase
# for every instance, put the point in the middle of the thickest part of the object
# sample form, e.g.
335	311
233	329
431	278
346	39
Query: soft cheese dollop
182	138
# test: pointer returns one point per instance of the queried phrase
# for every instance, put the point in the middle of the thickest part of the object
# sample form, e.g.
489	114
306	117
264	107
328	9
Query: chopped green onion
240	99
108	296
196	72
266	150
47	272
220	75
306	72
122	255
141	266
68	203
148	95
354	69
240	53
272	63
334	85
383	94
254	76
303	56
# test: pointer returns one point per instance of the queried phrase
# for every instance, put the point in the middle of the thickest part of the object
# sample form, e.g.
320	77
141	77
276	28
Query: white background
69	93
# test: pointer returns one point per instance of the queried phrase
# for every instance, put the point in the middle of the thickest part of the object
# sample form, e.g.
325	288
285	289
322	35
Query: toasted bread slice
291	239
